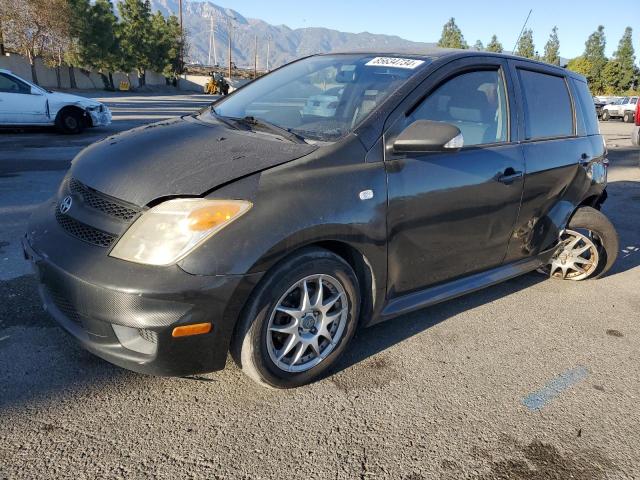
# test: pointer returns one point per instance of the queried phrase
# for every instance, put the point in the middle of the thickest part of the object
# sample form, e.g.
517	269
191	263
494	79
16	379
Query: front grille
148	335
84	232
101	202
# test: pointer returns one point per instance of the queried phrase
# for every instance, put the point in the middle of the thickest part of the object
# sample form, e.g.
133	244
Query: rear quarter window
587	109
547	105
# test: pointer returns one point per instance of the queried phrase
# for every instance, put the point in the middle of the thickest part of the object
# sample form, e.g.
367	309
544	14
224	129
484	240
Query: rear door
451	214
18	105
555	152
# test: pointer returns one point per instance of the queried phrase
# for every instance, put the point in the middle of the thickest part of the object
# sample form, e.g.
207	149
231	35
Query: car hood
181	156
67	98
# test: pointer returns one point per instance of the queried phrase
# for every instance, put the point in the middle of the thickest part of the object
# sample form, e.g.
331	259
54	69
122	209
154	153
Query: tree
452	36
178	45
526	48
78	24
494	45
478	46
99	45
33	27
165	54
552	48
625	57
594	52
2	51
580	65
135	36
611	77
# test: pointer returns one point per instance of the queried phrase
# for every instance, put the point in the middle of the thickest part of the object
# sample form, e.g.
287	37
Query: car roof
437	53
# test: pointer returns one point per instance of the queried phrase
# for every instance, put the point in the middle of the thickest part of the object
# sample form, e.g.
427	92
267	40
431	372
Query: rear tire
589	247
285	341
628	117
605	116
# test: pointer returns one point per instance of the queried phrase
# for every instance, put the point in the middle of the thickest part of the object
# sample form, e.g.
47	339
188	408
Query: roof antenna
524	25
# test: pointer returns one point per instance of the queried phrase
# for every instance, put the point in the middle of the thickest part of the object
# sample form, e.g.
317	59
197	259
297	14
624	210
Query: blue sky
423	20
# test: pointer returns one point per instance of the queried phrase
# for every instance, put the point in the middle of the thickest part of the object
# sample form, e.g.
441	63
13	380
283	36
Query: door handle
509	175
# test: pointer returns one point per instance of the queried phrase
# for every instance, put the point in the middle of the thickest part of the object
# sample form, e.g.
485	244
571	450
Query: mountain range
283	43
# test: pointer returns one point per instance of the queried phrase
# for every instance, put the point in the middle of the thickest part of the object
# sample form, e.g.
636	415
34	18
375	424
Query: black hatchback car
274	231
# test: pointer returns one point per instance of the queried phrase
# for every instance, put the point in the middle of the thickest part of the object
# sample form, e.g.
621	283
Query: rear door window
587	109
547	105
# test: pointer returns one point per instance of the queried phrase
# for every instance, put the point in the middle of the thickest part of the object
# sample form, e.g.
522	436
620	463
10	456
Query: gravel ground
531	379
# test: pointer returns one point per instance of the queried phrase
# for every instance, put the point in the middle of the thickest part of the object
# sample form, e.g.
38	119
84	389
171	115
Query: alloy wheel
70	122
307	323
577	256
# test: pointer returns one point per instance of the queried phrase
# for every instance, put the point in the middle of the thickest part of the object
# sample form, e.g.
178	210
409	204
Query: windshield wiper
272	127
226	120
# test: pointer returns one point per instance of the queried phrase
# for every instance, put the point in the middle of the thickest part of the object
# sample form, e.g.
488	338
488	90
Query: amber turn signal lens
188	330
207	218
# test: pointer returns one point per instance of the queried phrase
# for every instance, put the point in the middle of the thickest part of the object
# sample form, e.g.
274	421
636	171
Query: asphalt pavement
530	379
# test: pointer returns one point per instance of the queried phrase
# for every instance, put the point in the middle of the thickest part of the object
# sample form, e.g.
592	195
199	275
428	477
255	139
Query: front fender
308	201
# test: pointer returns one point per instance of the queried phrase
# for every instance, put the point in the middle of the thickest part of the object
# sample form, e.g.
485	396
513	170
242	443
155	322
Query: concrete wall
195	83
85	80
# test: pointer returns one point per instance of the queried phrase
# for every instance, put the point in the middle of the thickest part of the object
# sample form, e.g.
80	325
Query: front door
18	105
452	214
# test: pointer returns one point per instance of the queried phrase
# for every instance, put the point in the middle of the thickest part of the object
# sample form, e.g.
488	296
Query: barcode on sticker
409	63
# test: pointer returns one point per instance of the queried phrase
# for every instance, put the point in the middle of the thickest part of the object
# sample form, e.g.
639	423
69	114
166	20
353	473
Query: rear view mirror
35	91
347	74
427	136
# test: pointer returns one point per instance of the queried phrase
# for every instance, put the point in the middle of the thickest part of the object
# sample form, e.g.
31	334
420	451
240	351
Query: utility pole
255	59
213	40
181	37
229	37
212	43
268	48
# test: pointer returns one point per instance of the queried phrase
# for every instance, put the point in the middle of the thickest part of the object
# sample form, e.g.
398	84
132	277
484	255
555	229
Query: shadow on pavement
373	340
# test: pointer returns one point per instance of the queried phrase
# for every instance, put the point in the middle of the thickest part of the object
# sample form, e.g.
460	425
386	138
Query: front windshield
320	98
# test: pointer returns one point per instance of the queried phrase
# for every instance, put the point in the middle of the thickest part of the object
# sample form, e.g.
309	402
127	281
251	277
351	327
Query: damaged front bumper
100	116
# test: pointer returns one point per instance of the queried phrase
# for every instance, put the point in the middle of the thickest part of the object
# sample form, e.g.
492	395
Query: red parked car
635	134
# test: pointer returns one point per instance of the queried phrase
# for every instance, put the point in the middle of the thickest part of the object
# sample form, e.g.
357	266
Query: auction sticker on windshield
409	63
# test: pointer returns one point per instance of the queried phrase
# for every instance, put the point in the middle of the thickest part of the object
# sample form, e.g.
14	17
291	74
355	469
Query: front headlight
169	231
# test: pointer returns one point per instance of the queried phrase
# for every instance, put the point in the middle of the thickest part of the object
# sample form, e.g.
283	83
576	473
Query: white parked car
323	105
624	108
24	104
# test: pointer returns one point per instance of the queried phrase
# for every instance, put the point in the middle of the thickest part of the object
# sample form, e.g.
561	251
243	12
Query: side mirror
35	91
424	136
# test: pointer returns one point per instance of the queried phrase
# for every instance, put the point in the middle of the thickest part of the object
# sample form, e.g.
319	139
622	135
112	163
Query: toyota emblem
65	204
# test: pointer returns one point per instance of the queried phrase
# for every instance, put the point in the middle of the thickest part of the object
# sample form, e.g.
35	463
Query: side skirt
456	288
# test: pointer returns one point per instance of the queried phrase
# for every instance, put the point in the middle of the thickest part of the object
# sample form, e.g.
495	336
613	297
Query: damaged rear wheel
587	249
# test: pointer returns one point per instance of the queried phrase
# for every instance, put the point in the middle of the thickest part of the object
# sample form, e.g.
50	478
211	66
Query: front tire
588	247
71	122
299	321
628	117
605	116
